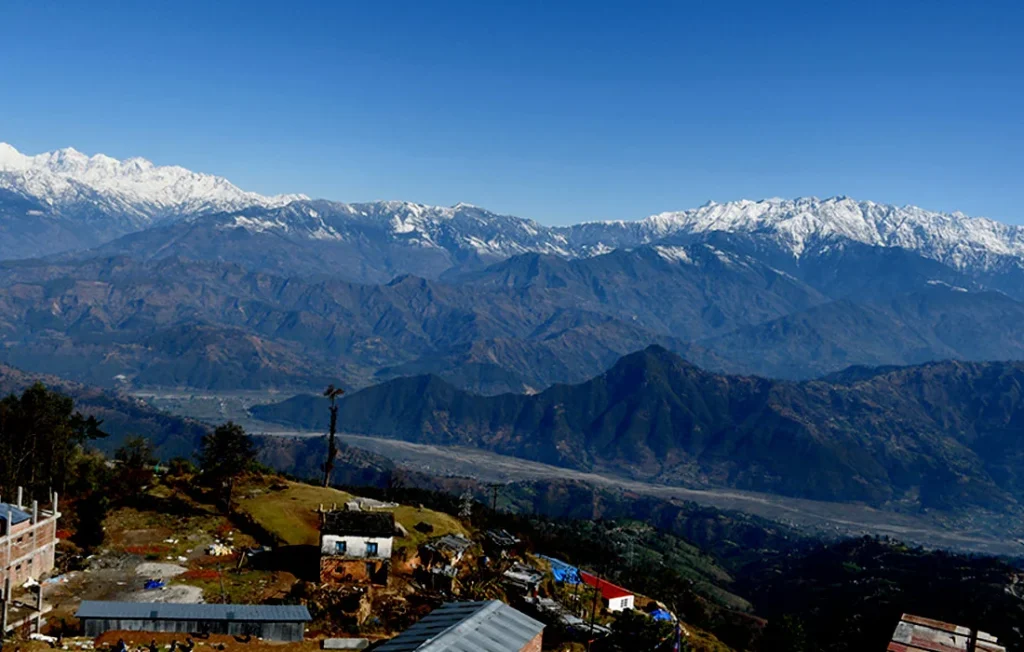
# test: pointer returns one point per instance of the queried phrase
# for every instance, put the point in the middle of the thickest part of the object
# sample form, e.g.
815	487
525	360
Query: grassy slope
289	513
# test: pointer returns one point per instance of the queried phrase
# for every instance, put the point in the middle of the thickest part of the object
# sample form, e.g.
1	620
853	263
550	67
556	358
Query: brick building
355	546
28	539
489	626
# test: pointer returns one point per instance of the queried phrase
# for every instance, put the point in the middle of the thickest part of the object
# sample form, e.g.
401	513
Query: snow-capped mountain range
798	224
71	192
135	190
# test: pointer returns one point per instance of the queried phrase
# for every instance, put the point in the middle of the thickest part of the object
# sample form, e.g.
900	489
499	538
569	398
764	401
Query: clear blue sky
560	111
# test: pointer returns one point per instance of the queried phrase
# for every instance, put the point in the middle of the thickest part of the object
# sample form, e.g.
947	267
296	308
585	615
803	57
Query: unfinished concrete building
28	539
28	545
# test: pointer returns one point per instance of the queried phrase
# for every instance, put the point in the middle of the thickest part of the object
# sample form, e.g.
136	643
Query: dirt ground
167	541
213	642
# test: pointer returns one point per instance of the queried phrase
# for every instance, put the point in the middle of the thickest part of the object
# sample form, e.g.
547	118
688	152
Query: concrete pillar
3	606
21	491
55	502
35	512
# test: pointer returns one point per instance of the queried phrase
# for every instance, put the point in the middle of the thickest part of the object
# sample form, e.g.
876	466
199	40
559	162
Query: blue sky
558	111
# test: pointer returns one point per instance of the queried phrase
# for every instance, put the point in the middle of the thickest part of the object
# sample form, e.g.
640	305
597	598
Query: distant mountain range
940	436
65	200
161	276
105	194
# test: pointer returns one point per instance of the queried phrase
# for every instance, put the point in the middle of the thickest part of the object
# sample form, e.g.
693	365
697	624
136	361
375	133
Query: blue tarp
154	584
563	572
661	614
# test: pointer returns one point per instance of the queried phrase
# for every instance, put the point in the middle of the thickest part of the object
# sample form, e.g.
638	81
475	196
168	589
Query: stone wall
339	570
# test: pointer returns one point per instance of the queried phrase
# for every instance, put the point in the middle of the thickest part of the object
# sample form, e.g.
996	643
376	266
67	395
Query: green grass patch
288	512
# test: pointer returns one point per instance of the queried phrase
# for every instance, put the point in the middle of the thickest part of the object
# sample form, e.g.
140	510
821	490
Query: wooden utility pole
332	448
593	608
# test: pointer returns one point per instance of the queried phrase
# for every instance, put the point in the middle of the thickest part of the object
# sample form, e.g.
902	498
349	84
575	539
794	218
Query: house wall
355	547
619	604
29	549
273	631
534	645
360	571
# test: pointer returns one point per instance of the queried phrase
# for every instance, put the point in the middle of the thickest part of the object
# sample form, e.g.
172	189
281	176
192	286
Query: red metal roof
608	590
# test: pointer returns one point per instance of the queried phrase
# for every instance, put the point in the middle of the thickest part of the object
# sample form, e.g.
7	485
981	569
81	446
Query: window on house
625	603
340	547
371	549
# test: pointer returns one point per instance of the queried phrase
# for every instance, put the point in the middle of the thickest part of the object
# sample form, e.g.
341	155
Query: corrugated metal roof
916	634
169	611
608	590
490	626
17	515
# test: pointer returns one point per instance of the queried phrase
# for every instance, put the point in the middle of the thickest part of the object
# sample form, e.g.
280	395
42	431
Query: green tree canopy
40	435
226	453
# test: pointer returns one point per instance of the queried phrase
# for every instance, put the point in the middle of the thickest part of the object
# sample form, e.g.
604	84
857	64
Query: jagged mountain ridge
66	200
938	436
798	225
120	197
174	321
375	241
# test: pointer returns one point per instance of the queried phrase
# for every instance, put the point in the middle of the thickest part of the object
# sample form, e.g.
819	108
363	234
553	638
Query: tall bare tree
331	393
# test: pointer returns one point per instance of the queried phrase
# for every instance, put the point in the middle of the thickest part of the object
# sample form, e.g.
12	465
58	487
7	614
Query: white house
356	546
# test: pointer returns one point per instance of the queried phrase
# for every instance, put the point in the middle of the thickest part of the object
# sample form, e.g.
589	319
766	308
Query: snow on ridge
674	254
796	224
136	186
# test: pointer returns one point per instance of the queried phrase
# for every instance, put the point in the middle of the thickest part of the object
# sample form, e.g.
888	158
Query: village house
917	634
269	622
355	546
28	539
489	626
28	545
613	597
445	551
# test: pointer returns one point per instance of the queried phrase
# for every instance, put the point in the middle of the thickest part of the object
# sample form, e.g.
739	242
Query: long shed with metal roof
270	622
489	626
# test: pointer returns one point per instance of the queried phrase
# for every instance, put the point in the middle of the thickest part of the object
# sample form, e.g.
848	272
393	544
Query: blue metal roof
17	515
490	626
169	611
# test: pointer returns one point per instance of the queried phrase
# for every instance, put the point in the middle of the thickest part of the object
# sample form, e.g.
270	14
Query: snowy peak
134	189
462	227
797	225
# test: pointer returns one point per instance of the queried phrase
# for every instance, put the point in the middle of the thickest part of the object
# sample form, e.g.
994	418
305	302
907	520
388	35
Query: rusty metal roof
917	634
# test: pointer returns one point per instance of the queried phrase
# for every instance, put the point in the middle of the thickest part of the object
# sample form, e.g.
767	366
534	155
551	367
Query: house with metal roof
489	626
355	546
917	634
614	597
269	622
